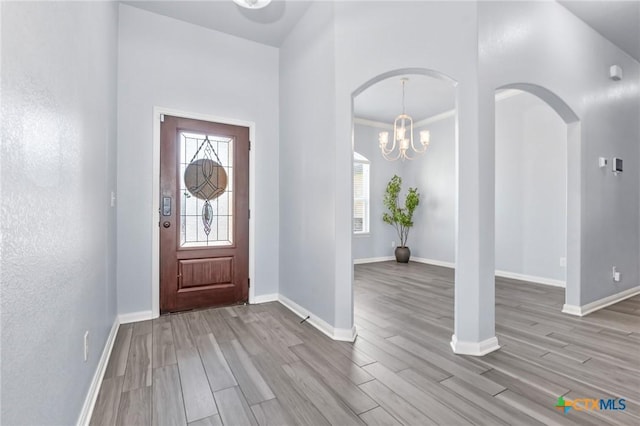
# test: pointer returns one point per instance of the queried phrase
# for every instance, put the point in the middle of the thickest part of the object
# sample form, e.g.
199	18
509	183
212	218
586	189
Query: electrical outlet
393	244
86	345
563	262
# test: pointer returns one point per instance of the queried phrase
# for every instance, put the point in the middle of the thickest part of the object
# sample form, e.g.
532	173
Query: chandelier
252	4
402	137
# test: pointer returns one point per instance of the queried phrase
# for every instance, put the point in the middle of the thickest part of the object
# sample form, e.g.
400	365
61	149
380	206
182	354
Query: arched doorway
573	184
375	245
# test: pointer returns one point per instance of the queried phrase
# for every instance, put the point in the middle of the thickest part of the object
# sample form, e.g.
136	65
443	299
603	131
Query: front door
204	214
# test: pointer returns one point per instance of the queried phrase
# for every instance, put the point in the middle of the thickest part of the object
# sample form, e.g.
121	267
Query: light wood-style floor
257	365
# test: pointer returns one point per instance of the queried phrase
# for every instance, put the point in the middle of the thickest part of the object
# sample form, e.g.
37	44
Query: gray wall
58	230
378	242
510	183
537	192
307	178
168	63
433	236
569	59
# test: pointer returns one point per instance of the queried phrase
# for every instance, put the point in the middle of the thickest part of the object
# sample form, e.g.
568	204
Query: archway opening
537	203
385	291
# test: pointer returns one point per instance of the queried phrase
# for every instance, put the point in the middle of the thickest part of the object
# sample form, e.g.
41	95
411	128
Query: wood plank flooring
257	365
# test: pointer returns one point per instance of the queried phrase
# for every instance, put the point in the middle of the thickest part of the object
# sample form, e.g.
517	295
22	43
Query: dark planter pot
403	254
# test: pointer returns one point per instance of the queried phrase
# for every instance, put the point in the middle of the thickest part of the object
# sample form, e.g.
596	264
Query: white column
474	332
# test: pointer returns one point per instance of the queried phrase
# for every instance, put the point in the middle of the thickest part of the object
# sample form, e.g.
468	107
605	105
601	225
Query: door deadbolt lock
166	224
166	206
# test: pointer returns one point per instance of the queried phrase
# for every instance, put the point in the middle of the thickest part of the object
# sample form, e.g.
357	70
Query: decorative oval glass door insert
205	179
206	168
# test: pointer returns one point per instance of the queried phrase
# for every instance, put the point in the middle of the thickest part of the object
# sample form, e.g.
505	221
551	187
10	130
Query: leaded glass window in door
206	190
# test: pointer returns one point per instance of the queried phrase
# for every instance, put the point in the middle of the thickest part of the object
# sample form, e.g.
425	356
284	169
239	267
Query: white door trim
155	217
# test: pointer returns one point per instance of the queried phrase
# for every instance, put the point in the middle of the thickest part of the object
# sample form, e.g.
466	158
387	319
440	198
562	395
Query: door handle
166	224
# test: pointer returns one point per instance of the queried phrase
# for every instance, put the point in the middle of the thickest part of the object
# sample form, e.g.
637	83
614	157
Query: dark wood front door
204	214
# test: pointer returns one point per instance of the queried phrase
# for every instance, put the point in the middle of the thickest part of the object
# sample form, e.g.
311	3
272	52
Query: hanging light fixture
402	125
252	4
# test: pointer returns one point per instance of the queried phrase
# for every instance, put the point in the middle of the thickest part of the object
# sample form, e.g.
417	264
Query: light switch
602	162
615	274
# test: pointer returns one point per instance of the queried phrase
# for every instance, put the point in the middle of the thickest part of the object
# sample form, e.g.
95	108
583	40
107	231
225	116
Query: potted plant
400	217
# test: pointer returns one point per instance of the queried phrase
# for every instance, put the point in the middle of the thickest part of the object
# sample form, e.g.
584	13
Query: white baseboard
135	317
413	259
433	262
264	298
373	260
599	304
344	334
531	278
94	388
474	348
498	273
572	310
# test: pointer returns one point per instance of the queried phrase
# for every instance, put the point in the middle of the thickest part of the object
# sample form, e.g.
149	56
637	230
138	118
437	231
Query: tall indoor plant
400	217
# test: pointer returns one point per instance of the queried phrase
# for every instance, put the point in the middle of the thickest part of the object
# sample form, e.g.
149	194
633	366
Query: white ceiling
269	25
424	97
618	21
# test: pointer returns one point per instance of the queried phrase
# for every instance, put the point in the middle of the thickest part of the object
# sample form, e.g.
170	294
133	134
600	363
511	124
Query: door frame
155	218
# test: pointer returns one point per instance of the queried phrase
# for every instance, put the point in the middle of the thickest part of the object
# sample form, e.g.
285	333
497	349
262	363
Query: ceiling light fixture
252	4
402	124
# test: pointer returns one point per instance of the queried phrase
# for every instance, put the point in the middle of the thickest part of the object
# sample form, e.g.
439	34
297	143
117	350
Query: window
360	194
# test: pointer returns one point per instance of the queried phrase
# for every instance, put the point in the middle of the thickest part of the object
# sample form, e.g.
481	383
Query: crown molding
372	123
500	96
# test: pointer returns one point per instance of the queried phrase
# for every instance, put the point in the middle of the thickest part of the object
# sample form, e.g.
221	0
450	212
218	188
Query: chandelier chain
403	81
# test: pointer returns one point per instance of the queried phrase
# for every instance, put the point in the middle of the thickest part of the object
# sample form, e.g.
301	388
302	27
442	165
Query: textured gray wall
307	152
58	229
571	60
